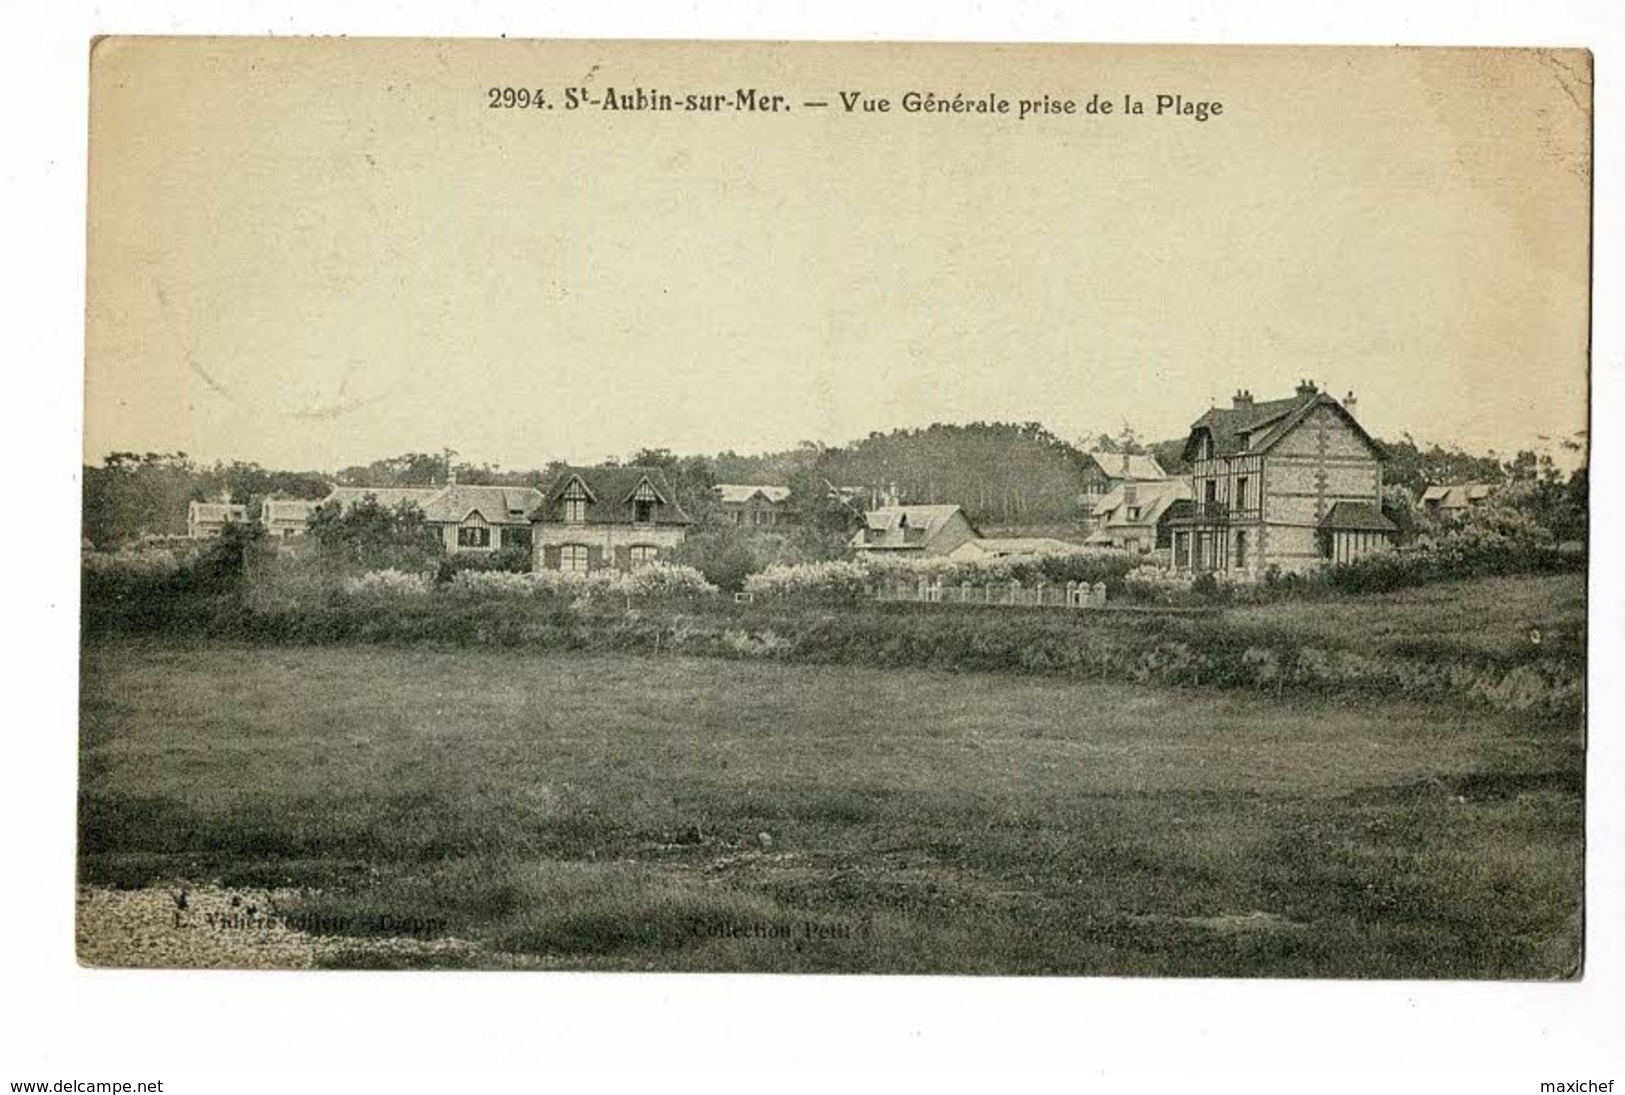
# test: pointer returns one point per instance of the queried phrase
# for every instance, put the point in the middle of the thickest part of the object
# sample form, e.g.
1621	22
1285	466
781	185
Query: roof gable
892	527
1356	517
1142	466
496	505
739	493
610	490
1153	500
1258	427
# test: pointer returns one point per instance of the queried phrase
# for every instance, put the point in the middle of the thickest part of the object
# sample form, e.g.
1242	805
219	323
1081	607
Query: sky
315	253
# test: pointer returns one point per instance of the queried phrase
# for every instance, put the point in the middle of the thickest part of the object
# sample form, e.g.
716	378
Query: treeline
1001	473
139	494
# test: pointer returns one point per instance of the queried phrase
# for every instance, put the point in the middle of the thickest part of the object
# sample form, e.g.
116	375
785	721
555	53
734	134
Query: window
1241	493
1134	513
643	512
1211	491
1241	548
575	511
573	557
473	536
643	554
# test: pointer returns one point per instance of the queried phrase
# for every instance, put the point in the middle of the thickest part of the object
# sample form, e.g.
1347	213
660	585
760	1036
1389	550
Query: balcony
1210	512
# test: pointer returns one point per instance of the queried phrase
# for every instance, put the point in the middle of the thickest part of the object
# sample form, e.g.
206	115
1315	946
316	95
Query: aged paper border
123	1024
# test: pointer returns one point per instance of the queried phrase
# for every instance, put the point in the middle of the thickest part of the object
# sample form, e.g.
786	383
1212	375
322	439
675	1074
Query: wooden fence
1053	594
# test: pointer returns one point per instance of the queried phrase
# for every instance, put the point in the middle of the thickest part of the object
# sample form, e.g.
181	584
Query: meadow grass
574	810
1489	616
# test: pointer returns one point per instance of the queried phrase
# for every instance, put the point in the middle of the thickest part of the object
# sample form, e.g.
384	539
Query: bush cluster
656	580
1089	565
833	582
1448	558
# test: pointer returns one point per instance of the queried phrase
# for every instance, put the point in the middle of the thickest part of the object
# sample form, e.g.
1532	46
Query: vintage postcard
957	509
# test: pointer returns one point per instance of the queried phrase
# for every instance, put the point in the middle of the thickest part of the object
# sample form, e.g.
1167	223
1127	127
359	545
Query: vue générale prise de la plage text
855	102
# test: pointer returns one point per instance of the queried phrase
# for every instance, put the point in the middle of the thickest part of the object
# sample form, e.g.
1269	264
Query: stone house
205	520
747	505
478	519
593	518
1293	483
466	518
1455	499
284	517
1139	516
1104	472
913	530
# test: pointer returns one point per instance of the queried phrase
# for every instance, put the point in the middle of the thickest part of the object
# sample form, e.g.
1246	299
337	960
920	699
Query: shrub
657	580
387	582
137	564
1453	556
727	556
512	560
481	582
1081	564
666	580
824	583
1153	583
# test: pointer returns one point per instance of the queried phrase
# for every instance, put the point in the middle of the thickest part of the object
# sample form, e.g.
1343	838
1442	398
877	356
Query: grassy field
614	811
1492	616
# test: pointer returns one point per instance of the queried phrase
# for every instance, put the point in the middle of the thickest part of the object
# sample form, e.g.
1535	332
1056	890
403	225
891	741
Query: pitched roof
1140	465
388	497
1457	495
1153	498
610	489
288	510
1357	517
217	511
498	505
279	506
1254	427
744	492
1016	545
892	528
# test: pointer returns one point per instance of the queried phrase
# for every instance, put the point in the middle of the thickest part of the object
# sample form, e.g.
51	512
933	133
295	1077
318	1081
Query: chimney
1349	403
1131	496
1307	387
1242	400
1125	463
451	477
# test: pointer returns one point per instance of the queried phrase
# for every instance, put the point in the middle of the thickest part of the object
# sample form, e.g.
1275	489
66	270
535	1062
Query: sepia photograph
858	508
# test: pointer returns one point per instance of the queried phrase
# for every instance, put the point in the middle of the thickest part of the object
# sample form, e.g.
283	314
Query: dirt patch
180	925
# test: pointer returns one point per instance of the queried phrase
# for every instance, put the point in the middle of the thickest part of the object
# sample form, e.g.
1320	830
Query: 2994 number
515	98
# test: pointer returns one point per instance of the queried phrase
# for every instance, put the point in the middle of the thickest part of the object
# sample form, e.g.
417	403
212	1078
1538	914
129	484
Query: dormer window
644	500
575	504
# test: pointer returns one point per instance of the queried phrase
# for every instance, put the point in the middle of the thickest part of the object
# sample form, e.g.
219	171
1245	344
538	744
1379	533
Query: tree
136	494
412	469
375	535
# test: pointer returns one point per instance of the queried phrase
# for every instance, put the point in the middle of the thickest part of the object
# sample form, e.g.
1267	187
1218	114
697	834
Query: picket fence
935	591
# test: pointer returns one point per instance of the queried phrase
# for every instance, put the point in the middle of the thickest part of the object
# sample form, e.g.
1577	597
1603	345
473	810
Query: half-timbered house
1292	483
